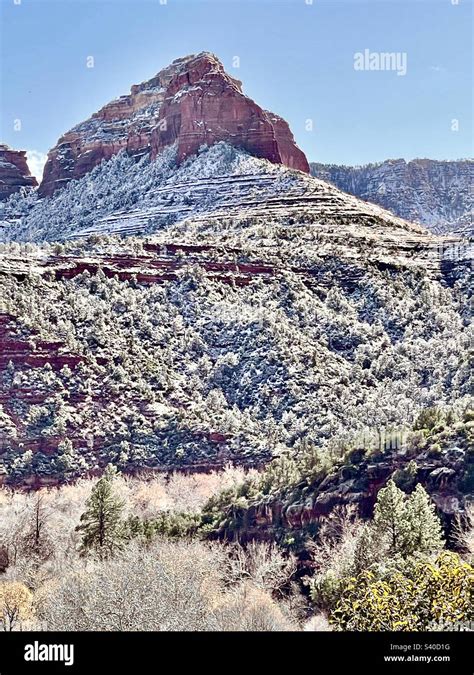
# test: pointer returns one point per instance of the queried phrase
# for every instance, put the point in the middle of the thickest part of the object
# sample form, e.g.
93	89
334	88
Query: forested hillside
264	383
170	357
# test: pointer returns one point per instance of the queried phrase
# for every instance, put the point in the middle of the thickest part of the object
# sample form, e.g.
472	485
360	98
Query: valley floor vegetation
121	553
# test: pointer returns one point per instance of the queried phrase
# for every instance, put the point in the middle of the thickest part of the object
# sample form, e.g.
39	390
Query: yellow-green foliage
16	602
439	592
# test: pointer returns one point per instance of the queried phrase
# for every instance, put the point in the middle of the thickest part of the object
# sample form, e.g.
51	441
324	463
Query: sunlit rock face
192	102
205	105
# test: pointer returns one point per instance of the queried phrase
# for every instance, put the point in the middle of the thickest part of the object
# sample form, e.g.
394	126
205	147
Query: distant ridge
435	193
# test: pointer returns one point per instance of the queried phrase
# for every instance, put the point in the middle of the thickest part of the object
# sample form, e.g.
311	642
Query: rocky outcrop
191	102
437	194
446	475
124	124
14	171
204	105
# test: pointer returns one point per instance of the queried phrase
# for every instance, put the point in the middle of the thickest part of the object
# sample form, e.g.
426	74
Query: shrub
428	419
16	602
439	592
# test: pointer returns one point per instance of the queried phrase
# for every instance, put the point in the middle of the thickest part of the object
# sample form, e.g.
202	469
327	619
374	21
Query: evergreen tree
101	524
391	518
410	524
68	460
425	527
367	549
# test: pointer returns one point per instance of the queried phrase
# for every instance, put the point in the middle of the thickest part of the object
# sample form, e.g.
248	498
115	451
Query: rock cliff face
355	482
204	105
14	171
437	194
191	102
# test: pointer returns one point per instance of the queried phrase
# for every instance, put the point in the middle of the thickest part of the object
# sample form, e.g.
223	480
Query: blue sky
296	59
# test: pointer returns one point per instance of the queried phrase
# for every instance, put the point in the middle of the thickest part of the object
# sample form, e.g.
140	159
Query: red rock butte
192	102
14	171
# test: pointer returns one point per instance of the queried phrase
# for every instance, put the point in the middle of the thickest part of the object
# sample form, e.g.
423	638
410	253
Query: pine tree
367	549
101	523
391	518
425	527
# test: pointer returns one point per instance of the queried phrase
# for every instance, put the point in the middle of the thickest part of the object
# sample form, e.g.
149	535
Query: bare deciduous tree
263	564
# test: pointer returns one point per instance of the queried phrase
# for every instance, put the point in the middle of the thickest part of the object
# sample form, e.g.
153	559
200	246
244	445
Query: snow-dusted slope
224	197
261	309
257	339
437	194
127	196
